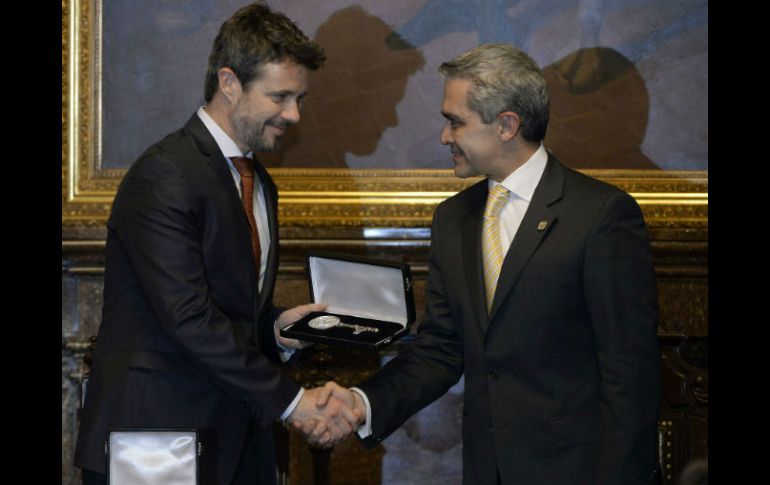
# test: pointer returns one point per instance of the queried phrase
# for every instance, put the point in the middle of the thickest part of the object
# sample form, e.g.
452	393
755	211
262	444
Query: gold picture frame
311	197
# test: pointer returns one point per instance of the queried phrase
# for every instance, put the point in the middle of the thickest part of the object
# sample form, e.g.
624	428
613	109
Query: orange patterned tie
245	167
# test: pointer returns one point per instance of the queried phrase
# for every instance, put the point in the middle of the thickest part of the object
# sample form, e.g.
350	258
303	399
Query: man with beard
541	293
189	335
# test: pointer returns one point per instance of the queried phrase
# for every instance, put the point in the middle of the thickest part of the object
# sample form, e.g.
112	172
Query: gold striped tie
492	249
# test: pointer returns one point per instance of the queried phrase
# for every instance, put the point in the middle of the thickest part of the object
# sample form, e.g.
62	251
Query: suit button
492	376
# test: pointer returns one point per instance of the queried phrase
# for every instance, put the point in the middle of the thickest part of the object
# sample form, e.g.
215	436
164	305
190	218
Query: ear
510	123
229	84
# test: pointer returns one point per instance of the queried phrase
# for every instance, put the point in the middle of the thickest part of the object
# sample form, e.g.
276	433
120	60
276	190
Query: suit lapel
271	207
217	163
531	231
471	224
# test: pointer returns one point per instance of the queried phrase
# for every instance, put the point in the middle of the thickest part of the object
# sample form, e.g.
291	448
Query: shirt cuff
293	405
365	429
284	353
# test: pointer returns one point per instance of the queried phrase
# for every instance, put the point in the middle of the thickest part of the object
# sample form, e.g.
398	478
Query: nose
446	135
291	112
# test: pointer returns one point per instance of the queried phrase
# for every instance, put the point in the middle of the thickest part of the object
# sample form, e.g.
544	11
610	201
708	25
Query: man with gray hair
541	292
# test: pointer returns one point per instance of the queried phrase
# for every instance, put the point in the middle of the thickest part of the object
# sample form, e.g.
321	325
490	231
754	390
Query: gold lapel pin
542	225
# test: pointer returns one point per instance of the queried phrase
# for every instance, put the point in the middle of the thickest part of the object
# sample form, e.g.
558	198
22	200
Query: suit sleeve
157	218
267	343
426	367
621	295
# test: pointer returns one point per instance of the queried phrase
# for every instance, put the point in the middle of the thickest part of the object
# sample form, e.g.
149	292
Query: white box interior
359	289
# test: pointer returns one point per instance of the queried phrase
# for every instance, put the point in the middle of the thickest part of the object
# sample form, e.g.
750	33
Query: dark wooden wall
428	447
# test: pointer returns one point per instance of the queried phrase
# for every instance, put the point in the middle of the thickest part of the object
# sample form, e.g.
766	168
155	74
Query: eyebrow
451	117
286	92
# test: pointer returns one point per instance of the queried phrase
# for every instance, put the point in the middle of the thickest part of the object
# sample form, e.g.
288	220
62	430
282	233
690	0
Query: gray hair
503	78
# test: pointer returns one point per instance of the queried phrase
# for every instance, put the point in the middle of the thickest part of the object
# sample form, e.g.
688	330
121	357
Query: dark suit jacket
186	338
562	379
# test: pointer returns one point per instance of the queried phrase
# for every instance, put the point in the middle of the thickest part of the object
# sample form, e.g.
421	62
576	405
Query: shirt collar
226	144
524	179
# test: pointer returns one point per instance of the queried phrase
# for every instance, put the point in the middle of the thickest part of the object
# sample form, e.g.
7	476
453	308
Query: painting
628	84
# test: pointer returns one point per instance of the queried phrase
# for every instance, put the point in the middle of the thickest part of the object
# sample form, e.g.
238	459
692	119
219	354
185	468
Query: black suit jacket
562	379
186	338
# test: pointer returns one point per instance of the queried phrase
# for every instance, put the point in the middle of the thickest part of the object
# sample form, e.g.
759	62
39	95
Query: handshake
327	415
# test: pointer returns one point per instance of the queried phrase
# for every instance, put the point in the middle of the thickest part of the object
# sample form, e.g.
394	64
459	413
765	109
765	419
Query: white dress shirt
521	183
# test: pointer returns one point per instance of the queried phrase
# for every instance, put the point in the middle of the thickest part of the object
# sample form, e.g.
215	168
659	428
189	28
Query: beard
253	132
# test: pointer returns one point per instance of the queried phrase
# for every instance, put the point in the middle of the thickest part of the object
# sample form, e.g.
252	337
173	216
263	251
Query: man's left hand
290	316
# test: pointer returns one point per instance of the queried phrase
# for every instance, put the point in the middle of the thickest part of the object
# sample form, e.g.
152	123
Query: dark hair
503	78
256	35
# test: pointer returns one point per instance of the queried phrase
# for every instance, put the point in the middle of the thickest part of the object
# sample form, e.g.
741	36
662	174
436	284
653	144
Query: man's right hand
327	415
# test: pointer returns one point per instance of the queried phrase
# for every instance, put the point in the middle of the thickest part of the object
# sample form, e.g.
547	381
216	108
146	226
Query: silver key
359	328
328	321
